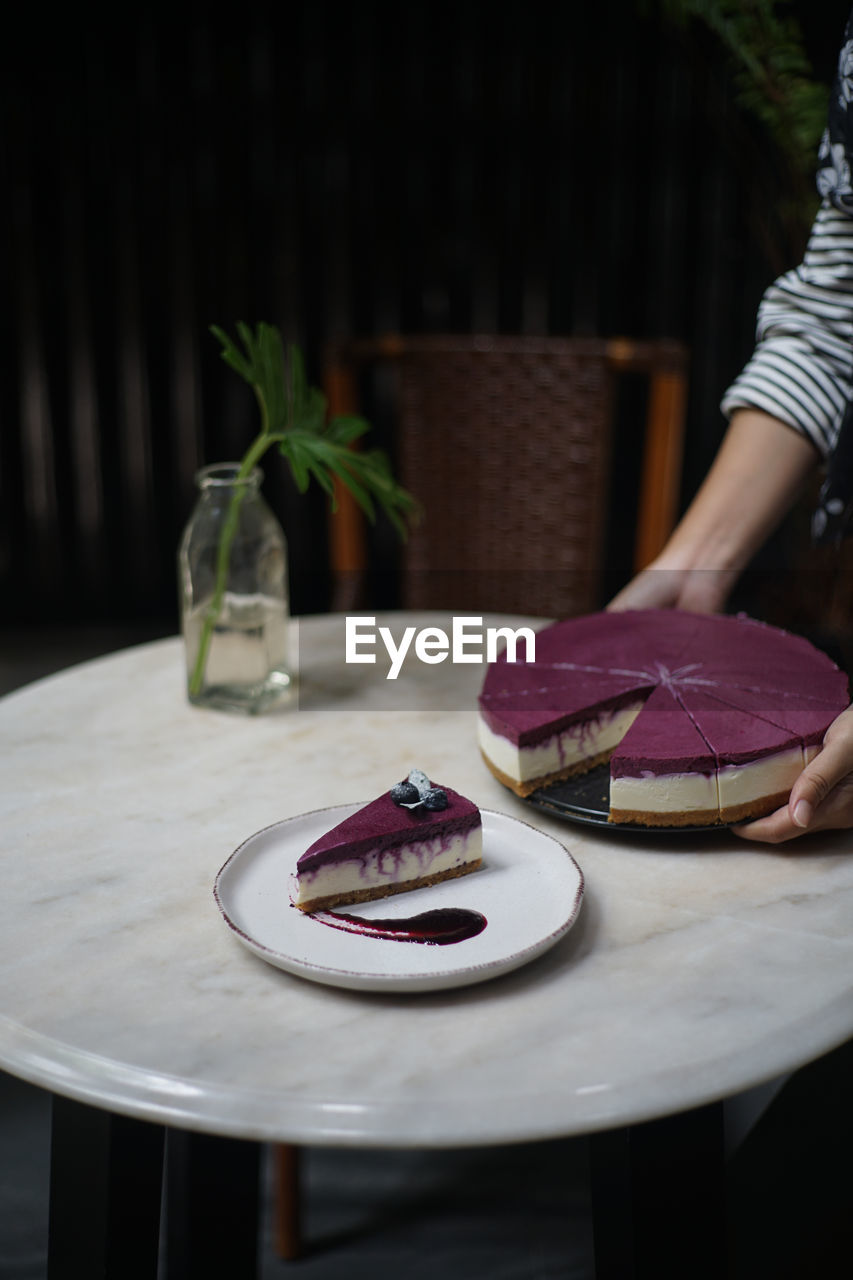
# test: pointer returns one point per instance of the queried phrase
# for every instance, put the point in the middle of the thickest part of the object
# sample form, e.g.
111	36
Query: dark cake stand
585	798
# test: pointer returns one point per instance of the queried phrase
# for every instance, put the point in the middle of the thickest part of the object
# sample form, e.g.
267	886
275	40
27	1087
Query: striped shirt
801	370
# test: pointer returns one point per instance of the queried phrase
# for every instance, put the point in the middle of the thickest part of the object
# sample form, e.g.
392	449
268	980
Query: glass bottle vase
234	595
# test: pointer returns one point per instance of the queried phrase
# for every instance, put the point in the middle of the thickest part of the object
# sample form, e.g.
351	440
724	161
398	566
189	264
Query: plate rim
468	974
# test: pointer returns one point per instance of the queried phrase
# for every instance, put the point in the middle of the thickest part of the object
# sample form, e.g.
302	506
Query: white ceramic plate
529	889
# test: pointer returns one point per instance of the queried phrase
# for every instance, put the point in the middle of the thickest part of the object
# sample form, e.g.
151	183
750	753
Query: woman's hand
822	797
660	587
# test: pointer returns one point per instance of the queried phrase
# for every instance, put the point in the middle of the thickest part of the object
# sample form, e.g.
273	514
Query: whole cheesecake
404	839
703	718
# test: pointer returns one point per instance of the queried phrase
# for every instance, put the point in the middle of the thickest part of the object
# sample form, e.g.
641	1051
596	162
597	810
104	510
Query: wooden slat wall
336	169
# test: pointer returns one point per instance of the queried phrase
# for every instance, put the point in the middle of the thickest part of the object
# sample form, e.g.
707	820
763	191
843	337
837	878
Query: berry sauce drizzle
437	928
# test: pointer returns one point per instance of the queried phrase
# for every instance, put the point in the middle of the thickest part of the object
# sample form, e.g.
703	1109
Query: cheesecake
418	833
700	718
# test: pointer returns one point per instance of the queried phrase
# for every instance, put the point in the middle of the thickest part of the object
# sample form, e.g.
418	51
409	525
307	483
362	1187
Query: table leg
658	1199
212	1206
106	1177
287	1201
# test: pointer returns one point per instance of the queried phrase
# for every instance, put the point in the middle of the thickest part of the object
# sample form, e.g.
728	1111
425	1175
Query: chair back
506	442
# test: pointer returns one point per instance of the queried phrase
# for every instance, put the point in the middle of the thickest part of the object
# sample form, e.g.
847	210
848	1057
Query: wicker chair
506	442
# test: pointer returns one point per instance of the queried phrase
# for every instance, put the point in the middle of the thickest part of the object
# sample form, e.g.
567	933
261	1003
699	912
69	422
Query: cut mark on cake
665	677
631	672
680	672
556	689
770	689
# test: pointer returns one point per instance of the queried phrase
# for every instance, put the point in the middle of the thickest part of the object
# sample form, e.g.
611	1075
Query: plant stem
292	412
223	553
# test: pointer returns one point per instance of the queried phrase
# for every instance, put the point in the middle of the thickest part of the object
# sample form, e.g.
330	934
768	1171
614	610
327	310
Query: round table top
699	965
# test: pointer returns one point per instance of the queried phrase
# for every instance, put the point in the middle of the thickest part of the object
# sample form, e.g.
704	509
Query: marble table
699	966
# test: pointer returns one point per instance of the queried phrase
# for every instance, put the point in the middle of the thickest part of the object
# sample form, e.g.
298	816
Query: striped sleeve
801	370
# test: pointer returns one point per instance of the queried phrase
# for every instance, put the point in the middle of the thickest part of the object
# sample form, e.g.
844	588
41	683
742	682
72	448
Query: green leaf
344	430
289	450
230	354
271	353
312	416
347	474
246	334
294	416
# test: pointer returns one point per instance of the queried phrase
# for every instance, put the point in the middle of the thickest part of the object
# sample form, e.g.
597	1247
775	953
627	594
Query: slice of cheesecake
758	759
391	845
663	772
538	727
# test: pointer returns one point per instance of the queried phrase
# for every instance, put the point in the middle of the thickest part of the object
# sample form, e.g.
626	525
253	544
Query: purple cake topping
736	736
590	666
805	717
663	740
382	824
538	713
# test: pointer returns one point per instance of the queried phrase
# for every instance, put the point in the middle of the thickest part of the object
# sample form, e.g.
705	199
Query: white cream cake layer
746	783
381	867
665	793
572	746
733	787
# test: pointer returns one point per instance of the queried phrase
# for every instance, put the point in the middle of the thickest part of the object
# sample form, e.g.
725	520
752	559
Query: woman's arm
785	409
755	478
